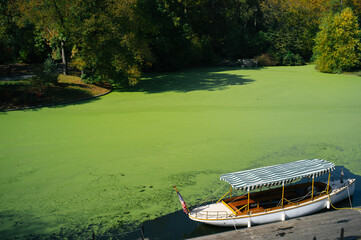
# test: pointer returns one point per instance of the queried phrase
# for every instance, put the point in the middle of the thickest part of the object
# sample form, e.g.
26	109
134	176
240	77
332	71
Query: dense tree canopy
18	42
117	40
110	41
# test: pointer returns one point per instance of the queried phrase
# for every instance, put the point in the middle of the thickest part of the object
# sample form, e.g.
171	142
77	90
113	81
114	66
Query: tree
338	44
105	38
109	40
51	18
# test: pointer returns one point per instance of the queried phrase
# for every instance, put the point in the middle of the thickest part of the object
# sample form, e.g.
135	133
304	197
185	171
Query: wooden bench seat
238	204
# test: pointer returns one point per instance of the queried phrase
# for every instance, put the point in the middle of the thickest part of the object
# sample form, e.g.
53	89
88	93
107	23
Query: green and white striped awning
277	174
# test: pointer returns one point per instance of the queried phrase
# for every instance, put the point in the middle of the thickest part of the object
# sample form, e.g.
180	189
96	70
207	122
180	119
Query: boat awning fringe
277	174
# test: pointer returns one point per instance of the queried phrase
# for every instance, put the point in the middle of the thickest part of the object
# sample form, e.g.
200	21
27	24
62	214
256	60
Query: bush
291	59
50	71
48	75
265	60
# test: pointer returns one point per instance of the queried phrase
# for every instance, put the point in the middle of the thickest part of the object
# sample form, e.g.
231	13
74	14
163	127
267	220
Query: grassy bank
101	164
18	94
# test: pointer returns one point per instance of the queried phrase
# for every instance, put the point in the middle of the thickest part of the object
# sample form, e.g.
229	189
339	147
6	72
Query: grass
20	94
102	164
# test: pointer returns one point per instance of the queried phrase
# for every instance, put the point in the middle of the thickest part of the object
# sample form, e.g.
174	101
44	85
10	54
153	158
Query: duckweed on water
110	164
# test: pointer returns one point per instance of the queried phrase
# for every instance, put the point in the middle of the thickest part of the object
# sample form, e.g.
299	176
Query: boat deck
216	211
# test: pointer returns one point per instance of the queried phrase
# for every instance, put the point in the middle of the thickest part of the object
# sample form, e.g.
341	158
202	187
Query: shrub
48	75
291	59
265	60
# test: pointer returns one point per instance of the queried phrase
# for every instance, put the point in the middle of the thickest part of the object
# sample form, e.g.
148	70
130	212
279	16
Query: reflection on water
178	226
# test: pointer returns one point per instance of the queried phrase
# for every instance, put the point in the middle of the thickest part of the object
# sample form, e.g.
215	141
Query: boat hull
339	193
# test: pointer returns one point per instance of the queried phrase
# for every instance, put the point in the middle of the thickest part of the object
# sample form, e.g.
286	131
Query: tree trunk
63	57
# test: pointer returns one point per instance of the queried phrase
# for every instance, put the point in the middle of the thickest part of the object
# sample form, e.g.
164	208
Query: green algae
109	164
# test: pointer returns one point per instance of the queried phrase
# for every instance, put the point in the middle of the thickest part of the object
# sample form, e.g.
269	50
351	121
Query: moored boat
281	200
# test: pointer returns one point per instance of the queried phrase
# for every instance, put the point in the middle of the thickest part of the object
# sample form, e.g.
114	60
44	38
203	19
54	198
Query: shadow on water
18	225
185	81
178	226
200	79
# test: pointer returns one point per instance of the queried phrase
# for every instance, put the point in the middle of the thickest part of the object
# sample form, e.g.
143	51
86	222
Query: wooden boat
259	206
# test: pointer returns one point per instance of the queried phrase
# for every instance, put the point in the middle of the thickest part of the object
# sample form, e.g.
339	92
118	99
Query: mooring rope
210	196
349	197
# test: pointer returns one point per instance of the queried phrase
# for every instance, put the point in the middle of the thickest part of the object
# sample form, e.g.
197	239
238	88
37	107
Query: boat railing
297	200
211	214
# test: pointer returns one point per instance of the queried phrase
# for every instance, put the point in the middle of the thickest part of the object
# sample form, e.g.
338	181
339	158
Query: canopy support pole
313	183
248	201
328	182
222	197
283	192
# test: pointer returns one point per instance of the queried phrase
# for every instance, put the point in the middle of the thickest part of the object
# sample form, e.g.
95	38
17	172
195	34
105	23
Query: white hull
225	218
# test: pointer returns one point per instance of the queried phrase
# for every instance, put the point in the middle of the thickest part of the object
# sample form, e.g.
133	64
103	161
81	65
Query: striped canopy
277	174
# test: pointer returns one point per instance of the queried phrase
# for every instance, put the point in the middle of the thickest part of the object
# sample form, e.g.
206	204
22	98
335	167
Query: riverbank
17	93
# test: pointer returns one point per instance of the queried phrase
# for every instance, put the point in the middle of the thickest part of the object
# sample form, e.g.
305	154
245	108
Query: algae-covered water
109	164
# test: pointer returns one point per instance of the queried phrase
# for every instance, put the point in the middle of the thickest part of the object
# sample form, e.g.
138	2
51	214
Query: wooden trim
229	207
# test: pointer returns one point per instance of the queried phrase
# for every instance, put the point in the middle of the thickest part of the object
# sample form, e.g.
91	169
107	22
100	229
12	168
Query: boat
274	193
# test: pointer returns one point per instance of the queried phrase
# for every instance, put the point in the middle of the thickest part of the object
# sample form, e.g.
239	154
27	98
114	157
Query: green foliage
50	71
291	59
116	40
290	27
167	37
18	43
111	45
338	44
